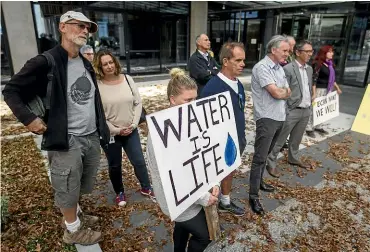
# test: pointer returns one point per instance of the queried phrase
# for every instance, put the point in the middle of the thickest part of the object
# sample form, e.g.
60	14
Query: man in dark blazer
202	67
299	77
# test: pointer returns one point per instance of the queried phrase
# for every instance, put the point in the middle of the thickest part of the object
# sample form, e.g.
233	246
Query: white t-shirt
232	83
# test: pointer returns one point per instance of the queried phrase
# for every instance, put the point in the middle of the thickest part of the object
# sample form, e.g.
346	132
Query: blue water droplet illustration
230	151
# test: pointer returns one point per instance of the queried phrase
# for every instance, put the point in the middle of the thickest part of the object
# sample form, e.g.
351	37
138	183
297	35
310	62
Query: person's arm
339	91
25	85
313	92
278	93
267	81
139	107
198	70
315	76
113	129
218	67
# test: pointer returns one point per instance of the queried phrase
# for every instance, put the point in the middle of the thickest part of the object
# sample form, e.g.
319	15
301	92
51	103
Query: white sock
73	227
78	210
225	199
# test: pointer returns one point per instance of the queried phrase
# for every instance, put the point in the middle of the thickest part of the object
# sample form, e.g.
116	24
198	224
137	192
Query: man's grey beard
80	42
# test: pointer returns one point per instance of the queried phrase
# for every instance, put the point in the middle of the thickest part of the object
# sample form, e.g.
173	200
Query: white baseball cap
70	15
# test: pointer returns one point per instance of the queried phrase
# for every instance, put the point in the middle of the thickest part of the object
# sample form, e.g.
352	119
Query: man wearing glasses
232	56
88	52
74	125
299	77
270	90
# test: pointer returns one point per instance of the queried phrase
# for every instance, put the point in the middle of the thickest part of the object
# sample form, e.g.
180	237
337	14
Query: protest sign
325	108
362	120
192	147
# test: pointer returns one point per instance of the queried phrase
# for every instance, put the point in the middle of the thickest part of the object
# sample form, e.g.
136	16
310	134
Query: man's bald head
202	42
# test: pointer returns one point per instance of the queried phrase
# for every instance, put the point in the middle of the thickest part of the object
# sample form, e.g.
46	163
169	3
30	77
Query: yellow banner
362	120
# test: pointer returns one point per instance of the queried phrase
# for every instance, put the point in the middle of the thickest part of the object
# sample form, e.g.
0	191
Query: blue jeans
132	146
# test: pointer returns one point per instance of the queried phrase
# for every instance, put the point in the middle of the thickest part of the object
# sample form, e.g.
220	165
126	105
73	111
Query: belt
301	108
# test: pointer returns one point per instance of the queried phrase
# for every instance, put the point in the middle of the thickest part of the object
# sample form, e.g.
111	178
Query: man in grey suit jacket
299	77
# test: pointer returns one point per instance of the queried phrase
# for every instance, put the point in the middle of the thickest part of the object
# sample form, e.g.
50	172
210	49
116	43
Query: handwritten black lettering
206	137
195	144
191	162
205	165
213	111
223	106
168	123
217	159
192	120
178	202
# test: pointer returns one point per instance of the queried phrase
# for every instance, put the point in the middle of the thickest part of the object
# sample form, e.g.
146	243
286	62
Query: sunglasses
82	26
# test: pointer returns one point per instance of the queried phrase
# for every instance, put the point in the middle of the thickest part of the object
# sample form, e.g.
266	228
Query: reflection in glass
358	52
328	29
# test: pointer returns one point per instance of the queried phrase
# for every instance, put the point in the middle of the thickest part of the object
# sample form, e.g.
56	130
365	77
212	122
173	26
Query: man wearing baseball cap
73	126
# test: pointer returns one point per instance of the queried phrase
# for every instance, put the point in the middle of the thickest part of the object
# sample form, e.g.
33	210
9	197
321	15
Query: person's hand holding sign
213	198
215	191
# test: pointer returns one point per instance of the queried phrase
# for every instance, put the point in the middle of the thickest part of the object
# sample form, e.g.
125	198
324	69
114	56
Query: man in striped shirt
270	90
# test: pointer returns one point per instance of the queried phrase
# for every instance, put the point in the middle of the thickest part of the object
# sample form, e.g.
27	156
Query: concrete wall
269	30
198	22
20	28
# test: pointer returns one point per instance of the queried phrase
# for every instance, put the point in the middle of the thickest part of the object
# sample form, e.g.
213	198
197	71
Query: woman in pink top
122	106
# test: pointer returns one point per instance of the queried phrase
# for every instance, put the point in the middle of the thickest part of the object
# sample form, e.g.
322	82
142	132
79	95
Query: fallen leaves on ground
14	130
34	224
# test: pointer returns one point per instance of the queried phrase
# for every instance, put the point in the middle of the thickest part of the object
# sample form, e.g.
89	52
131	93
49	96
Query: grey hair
85	48
198	38
300	44
275	42
290	37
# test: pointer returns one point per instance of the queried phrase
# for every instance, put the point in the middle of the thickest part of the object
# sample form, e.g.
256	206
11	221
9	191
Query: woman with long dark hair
323	82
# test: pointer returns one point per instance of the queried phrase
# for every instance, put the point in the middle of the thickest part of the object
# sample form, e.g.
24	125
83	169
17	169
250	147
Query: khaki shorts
73	172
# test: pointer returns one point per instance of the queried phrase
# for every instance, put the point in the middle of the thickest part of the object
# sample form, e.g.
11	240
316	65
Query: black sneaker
322	132
310	134
285	146
231	208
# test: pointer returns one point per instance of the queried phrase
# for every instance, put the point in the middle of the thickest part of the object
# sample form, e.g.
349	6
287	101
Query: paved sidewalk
146	220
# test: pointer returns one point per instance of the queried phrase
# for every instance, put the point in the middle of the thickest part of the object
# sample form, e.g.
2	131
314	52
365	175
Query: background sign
192	147
362	120
325	108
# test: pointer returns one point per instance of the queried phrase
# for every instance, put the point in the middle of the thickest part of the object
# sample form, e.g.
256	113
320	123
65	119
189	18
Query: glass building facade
148	37
152	37
345	26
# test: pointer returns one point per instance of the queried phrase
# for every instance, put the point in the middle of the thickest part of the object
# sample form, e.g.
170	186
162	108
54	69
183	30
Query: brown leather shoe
272	171
302	165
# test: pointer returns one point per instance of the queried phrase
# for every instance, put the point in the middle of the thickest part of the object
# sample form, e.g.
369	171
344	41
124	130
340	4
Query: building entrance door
253	42
356	71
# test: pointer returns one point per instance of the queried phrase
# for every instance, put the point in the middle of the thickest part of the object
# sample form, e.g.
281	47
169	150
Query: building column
198	21
269	30
21	32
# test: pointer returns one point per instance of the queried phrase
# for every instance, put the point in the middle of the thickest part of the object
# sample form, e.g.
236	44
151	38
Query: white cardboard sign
193	147
325	108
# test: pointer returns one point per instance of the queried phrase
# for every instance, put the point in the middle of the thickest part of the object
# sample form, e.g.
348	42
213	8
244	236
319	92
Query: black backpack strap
50	75
129	84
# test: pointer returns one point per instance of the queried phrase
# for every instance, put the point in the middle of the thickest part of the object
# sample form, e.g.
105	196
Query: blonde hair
98	66
179	81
